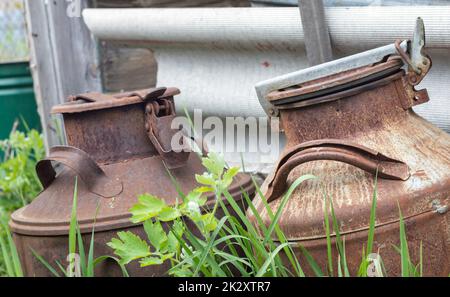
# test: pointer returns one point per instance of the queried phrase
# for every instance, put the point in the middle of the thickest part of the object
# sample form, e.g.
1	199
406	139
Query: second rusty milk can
119	147
347	121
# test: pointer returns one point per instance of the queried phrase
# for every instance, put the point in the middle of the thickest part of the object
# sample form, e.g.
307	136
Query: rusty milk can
119	147
344	120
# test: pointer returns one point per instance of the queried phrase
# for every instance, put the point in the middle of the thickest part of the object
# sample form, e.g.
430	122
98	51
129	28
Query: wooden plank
64	58
42	67
127	69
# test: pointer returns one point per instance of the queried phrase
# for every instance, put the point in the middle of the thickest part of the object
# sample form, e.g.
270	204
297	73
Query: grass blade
421	260
104	258
372	217
45	263
90	260
340	245
210	244
312	263
82	253
404	253
6	257
328	236
285	199
14	255
281	237
269	260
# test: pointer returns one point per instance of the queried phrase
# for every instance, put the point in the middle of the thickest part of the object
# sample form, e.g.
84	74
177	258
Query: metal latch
418	65
159	114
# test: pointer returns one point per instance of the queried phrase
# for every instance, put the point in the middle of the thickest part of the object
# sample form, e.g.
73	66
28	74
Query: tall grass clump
19	184
233	245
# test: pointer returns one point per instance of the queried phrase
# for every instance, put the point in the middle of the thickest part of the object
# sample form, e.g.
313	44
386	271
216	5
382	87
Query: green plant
408	268
9	254
217	247
19	183
86	264
233	245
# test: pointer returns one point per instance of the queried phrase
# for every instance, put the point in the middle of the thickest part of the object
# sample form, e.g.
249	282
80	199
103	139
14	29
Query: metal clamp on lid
158	118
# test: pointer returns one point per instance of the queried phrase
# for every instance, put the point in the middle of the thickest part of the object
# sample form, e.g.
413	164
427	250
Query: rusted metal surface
378	116
115	160
92	175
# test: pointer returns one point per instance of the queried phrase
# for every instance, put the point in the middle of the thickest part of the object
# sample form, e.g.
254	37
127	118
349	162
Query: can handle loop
95	179
336	150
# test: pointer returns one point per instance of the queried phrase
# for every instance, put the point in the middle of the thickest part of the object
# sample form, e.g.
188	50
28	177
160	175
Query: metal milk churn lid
119	147
347	121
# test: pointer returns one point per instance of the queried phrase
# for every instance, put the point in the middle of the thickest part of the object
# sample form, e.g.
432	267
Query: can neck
350	114
110	135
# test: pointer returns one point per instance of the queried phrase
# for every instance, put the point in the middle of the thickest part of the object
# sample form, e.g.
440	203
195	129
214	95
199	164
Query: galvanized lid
329	77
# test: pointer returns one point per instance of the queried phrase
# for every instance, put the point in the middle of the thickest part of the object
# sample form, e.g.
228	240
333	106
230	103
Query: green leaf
168	214
148	207
204	190
214	163
205	179
197	197
178	228
129	247
228	176
150	261
209	221
155	234
173	245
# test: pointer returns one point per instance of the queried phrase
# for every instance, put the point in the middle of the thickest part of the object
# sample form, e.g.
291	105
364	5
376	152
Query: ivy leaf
155	234
129	247
148	207
214	163
168	214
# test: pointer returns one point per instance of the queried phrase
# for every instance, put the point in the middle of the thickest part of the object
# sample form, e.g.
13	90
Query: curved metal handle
92	175
336	150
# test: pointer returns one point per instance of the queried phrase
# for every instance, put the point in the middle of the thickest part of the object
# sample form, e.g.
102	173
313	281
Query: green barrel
17	98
